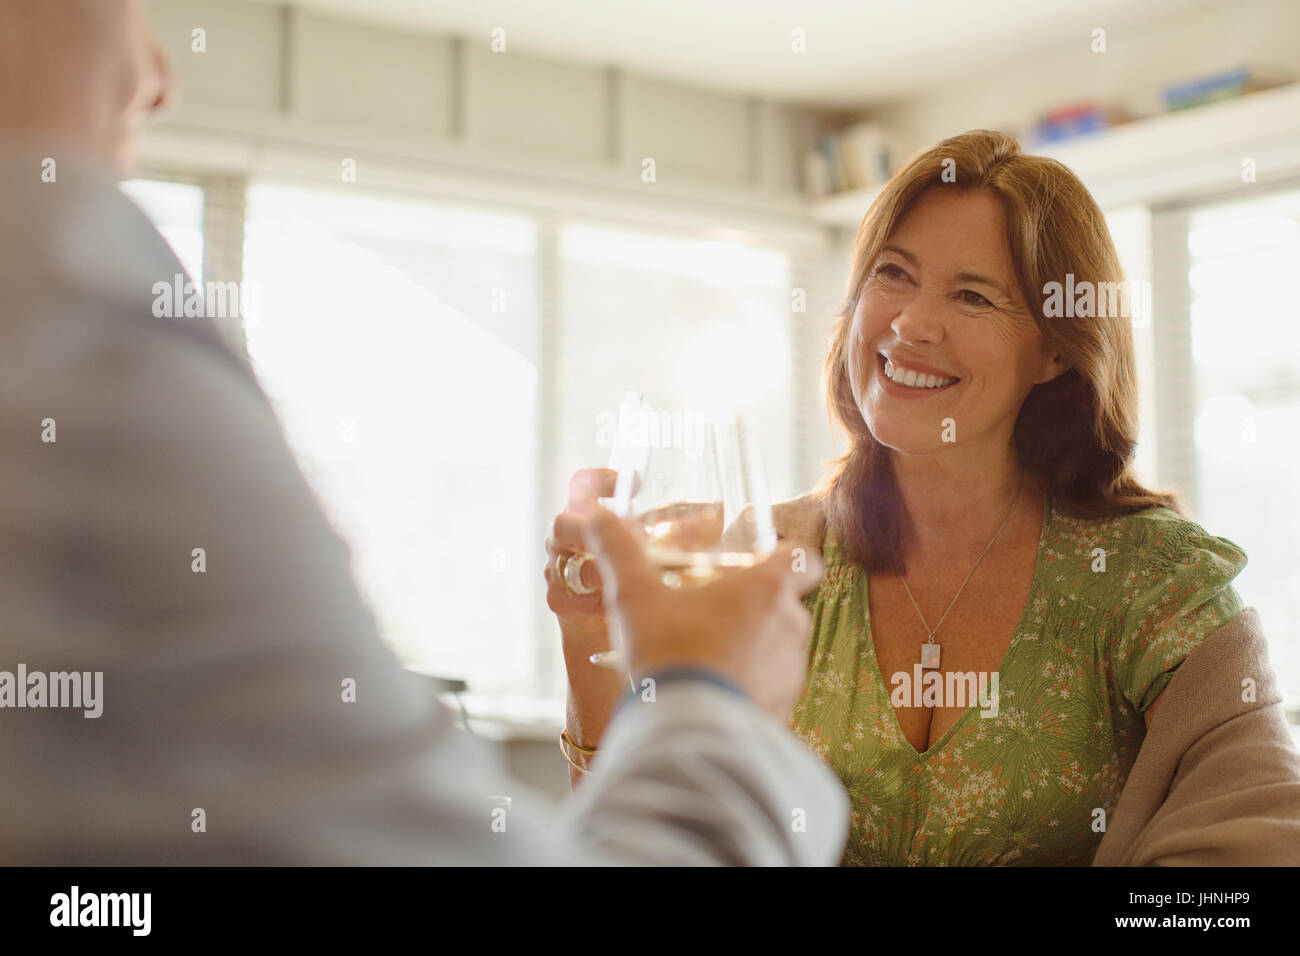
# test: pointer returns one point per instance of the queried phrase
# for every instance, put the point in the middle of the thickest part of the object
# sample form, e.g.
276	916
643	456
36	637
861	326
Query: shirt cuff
670	674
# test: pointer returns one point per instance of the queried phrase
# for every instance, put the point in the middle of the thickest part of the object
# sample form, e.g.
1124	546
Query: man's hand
749	626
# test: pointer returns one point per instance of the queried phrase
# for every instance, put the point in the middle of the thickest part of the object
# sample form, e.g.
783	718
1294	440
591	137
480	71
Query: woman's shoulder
1142	569
1153	540
1174	540
801	521
1167	587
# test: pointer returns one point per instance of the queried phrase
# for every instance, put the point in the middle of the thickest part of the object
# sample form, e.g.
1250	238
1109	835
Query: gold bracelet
575	745
566	740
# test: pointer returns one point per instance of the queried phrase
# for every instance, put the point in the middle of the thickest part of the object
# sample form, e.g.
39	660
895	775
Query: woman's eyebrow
960	277
976	277
902	252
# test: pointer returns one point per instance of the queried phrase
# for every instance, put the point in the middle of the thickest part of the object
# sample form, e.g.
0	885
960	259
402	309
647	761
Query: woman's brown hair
1077	432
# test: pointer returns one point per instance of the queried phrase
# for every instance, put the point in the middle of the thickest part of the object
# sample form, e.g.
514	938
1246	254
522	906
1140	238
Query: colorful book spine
1222	86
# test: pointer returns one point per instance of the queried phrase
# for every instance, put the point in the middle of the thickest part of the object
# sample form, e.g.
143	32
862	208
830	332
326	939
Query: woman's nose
919	321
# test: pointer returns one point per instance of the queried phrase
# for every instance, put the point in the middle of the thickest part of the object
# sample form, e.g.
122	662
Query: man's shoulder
104	372
81	268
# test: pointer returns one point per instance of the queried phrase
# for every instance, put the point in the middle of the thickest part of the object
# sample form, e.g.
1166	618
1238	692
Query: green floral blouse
1035	783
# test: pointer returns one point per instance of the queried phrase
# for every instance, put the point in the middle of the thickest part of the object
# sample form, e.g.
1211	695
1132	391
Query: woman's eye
970	297
890	271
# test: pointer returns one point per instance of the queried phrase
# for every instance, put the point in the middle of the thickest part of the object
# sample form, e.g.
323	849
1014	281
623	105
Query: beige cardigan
1217	780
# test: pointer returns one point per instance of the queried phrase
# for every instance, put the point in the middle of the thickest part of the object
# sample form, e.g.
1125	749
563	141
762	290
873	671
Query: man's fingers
623	566
589	484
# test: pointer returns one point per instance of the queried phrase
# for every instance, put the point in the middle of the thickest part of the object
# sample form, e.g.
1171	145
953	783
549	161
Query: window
398	342
1245	343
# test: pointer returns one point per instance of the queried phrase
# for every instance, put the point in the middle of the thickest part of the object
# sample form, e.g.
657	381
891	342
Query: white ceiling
858	51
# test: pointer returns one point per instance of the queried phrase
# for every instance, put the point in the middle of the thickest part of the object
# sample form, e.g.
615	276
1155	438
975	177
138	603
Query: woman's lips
918	375
908	363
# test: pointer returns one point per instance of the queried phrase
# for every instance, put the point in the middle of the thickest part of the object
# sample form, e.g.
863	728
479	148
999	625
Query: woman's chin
907	438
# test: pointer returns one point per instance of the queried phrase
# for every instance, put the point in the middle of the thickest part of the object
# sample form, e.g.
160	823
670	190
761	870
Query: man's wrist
655	678
665	675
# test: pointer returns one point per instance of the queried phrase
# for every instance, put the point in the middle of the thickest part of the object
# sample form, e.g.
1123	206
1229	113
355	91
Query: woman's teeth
914	379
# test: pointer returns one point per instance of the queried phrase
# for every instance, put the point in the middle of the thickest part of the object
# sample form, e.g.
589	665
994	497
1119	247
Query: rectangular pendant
929	656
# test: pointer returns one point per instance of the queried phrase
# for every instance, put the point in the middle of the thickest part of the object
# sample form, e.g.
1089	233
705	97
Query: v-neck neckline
1034	587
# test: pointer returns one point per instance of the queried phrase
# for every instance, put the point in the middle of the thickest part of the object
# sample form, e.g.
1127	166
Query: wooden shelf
1164	158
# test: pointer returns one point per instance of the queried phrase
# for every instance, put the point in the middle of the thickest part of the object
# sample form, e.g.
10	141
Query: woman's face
944	348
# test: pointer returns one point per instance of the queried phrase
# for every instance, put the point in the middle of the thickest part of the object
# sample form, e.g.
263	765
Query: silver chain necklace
930	650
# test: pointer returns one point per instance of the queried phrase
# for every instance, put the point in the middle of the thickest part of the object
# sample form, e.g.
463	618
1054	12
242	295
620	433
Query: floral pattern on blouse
1035	784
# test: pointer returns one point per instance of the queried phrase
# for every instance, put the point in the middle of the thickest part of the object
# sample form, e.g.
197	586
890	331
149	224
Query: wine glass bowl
696	495
700	501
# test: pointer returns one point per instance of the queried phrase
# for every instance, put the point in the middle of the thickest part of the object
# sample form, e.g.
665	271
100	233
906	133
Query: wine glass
694	486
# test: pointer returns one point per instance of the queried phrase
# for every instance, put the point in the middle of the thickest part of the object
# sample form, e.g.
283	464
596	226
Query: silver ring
571	573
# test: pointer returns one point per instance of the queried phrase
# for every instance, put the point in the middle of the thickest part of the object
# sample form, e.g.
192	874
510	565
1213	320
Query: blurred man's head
79	73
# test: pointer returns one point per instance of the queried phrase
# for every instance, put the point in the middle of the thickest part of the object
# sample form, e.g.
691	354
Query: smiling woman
986	521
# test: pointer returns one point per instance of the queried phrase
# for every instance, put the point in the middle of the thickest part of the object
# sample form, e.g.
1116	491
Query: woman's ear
1053	367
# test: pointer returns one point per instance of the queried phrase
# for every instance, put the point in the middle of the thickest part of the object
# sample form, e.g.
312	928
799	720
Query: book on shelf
1073	120
1223	85
856	157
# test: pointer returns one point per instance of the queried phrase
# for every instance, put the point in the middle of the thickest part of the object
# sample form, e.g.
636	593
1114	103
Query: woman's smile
912	380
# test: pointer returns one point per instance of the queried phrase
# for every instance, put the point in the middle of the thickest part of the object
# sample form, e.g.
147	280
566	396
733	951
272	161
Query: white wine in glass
687	540
695	487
